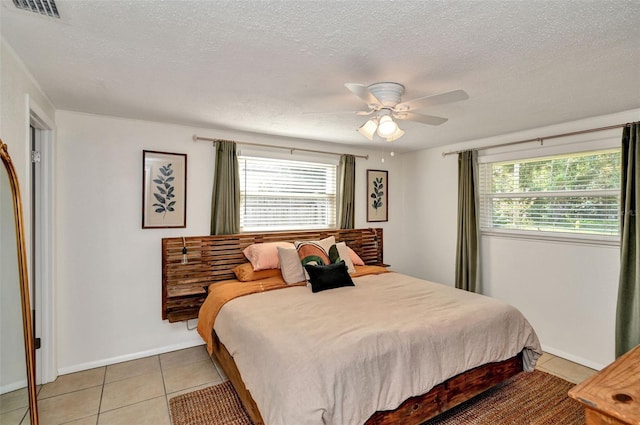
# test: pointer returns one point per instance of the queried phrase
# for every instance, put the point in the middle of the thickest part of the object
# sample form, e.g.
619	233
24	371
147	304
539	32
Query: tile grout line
25	416
141	401
166	396
137	402
215	367
104	378
70	392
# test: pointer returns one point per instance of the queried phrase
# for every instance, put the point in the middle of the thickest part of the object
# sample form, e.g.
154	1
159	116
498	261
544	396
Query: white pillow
344	256
290	265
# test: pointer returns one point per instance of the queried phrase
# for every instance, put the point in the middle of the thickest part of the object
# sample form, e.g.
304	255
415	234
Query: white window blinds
280	194
570	194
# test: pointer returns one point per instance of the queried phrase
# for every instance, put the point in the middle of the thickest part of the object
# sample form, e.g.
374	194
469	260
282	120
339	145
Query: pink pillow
264	256
355	259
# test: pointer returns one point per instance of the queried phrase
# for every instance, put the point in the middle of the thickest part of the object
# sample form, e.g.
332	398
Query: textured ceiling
278	67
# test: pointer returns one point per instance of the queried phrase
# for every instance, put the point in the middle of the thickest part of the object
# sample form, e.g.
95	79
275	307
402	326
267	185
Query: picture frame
164	190
377	195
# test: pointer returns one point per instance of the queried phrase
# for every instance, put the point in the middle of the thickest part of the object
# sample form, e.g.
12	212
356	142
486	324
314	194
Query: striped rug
527	399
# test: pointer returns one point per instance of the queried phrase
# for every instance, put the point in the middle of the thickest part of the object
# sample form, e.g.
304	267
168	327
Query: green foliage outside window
569	193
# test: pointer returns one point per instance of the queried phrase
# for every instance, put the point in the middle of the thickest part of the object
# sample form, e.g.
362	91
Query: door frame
46	358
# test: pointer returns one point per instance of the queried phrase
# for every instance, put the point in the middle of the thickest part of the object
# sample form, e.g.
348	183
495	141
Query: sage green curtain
628	311
347	191
467	249
225	201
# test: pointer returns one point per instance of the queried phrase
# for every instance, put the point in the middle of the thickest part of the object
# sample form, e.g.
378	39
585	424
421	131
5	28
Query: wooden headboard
212	259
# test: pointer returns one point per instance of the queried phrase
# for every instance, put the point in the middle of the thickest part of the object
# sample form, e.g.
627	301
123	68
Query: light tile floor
138	392
130	393
565	369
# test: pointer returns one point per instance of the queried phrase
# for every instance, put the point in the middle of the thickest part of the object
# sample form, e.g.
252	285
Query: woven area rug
536	398
217	405
528	399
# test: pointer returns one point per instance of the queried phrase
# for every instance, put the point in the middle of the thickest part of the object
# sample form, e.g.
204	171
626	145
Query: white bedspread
338	356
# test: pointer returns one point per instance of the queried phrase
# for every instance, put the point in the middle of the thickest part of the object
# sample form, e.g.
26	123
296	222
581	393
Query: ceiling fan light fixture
395	136
387	127
368	129
385	101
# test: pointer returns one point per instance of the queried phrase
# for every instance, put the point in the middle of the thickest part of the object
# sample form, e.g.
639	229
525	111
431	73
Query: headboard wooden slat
212	259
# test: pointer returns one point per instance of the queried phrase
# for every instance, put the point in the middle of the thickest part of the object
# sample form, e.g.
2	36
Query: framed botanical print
164	189
377	195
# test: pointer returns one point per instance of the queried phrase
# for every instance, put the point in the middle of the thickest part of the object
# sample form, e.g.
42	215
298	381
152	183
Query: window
280	194
564	195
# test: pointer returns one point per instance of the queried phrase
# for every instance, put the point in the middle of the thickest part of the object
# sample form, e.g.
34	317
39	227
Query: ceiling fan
384	102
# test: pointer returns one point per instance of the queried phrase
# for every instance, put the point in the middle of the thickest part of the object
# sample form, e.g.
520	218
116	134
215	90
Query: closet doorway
41	243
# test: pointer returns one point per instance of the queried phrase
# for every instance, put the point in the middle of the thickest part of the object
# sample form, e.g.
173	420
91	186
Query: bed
390	349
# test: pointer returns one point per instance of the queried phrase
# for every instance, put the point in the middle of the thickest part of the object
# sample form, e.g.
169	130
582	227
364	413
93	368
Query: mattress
338	356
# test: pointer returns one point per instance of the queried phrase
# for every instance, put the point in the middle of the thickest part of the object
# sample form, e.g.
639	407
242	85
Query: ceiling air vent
43	7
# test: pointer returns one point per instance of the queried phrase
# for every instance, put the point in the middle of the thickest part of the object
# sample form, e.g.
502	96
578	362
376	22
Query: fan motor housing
387	93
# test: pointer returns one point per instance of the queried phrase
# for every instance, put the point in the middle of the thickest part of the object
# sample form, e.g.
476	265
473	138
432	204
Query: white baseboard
573	358
127	357
7	388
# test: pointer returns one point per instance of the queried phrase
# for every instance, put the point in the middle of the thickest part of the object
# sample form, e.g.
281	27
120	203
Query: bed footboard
225	360
449	394
412	411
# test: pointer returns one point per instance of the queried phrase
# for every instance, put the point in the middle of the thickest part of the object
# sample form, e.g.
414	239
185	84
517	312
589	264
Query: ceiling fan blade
425	119
359	113
436	99
363	93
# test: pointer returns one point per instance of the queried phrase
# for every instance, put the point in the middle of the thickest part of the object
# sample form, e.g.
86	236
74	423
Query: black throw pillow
328	276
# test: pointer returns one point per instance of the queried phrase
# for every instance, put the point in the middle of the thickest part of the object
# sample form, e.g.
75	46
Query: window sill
574	239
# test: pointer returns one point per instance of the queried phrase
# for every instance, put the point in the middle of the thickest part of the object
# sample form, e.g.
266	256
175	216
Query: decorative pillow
330	276
355	258
343	252
290	265
265	255
245	273
315	252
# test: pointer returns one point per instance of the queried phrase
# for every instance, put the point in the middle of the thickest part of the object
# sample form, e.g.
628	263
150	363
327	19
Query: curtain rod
196	138
542	139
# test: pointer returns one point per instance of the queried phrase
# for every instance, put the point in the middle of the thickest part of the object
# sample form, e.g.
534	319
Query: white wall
429	199
567	291
19	93
109	268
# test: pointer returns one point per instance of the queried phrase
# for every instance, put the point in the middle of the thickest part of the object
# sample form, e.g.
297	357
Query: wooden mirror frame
24	284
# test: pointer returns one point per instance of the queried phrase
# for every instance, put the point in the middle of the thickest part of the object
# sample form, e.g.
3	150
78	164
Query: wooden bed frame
414	410
212	258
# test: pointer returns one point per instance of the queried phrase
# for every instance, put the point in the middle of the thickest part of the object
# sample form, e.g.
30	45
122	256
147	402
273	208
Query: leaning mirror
17	358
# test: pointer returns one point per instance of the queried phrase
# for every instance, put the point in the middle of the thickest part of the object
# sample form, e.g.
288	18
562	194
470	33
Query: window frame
571	146
261	155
